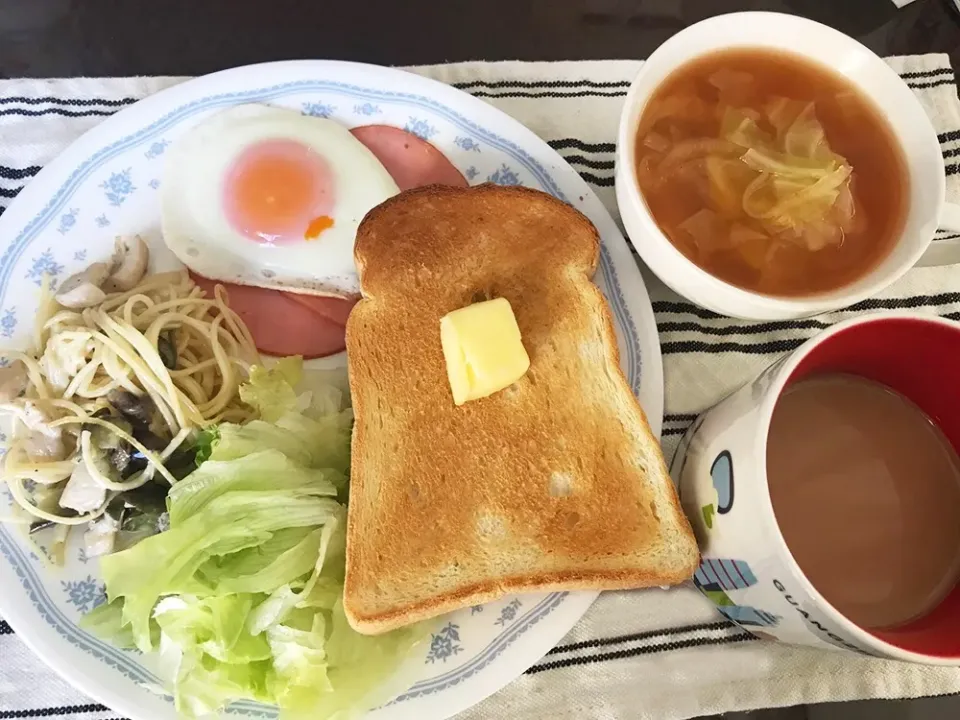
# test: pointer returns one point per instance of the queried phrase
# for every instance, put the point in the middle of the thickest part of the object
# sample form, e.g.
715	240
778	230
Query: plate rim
164	103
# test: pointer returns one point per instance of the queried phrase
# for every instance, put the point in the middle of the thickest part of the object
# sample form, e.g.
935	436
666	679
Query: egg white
196	230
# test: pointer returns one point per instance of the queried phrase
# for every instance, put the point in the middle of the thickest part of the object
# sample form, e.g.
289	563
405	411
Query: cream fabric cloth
657	655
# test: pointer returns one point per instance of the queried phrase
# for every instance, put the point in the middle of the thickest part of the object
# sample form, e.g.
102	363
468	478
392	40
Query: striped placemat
654	654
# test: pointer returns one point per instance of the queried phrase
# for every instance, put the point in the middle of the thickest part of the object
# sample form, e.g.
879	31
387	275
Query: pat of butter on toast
483	349
554	482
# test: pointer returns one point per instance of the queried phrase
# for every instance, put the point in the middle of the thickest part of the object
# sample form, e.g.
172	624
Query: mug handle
944	252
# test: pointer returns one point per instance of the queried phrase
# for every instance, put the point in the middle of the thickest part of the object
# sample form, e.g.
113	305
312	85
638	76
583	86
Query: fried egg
265	196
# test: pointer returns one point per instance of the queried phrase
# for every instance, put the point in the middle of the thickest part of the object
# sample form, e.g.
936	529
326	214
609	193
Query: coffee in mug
865	489
825	494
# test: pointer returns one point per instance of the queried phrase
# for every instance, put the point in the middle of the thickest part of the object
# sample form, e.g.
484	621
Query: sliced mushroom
139	408
167	348
13	381
130	260
83	289
121	458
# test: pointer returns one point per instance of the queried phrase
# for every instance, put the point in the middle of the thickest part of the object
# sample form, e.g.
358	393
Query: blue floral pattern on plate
444	644
504	176
8	323
156	149
508	613
466	143
421	128
118	186
68	220
44	264
85	594
366	109
319	109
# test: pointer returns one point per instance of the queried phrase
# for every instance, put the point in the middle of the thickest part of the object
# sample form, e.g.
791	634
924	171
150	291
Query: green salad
241	595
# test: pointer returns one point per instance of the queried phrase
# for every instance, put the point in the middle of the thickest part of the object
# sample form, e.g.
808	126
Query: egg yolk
279	191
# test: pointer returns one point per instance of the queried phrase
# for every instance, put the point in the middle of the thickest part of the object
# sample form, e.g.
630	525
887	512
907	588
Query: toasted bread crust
455	506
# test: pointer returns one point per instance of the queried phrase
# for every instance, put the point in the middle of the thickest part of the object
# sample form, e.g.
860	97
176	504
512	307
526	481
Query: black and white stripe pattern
545	89
676	423
950	142
922	80
12	181
686	328
651	642
588	158
19	108
701	350
24	107
60	711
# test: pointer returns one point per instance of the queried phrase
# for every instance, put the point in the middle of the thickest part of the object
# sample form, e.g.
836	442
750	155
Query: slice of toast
553	483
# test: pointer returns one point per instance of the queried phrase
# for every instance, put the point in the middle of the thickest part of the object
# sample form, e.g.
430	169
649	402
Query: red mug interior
918	359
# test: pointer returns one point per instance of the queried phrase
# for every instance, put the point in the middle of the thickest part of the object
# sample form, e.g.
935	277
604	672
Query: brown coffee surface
866	491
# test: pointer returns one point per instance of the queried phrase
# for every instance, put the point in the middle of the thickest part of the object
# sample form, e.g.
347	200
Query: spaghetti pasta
83	358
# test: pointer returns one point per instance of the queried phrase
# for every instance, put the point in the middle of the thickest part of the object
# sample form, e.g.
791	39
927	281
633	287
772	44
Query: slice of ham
411	161
284	323
334	309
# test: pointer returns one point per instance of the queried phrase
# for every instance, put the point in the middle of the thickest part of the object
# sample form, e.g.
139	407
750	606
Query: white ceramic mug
927	209
747	569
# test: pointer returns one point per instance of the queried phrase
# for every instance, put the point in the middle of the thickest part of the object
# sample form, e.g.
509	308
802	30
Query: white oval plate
106	183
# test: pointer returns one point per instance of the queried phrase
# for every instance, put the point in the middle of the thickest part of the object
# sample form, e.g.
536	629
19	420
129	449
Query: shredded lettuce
203	444
271	391
241	598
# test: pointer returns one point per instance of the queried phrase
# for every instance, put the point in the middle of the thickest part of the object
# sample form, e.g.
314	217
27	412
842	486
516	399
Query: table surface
46	38
192	37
